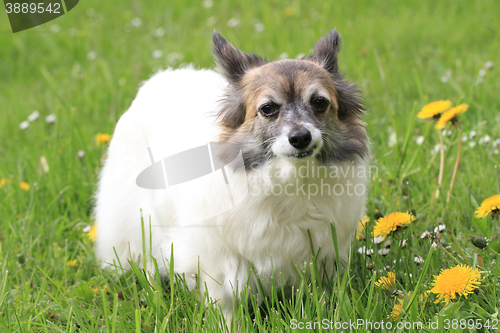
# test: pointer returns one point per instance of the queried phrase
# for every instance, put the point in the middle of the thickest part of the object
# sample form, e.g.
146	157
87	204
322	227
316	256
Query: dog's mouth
307	153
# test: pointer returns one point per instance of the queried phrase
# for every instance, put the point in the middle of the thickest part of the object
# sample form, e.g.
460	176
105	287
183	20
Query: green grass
398	51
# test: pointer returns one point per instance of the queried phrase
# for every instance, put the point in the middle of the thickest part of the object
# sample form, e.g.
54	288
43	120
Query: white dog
295	162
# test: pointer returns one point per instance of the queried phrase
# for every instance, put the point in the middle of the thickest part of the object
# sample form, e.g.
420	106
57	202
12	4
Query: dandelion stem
493	251
456	165
447	253
498	183
460	250
441	165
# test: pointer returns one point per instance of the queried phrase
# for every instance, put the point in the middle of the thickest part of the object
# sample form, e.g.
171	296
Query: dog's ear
233	63
326	54
326	50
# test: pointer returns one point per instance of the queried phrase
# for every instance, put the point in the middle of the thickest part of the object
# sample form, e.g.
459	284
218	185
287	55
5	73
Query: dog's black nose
300	138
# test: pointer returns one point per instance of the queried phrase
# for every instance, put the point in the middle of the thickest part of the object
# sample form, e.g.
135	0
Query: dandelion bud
377	214
479	242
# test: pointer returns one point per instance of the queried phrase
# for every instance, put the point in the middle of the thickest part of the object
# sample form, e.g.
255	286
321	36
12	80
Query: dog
297	126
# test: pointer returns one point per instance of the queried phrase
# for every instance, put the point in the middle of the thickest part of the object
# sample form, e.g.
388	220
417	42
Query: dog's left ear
233	63
326	50
326	54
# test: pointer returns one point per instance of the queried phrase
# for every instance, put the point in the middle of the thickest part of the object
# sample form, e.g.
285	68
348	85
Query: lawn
82	71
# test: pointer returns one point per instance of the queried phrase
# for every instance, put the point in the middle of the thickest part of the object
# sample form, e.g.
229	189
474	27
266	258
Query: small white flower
136	22
208	3
434	245
496	143
488	65
51	118
44	165
34	116
363	250
87	229
444	79
419	260
436	149
259	27
420	140
157	54
445	133
472	135
472	144
284	55
496	151
300	56
92	55
384	251
24	125
55	28
485	139
159	32
80	153
378	240
425	234
482	72
233	22
392	139
439	228
464	138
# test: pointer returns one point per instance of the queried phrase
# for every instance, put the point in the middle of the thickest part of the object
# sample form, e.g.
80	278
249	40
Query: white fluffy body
174	111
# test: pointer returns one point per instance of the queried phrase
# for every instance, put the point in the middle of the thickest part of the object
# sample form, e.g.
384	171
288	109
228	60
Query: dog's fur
268	230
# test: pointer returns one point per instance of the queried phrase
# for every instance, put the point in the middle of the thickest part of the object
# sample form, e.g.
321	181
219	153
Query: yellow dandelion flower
24	186
386	225
72	263
361	228
289	11
433	109
490	206
2	182
461	280
101	139
396	311
387	284
451	115
92	234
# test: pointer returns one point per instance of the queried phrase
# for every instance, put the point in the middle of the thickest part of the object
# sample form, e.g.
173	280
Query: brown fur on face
290	84
285	80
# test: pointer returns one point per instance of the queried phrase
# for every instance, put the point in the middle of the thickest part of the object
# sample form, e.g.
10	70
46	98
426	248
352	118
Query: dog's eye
320	104
269	109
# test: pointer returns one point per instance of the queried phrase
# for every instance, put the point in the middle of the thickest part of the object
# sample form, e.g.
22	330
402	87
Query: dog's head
292	109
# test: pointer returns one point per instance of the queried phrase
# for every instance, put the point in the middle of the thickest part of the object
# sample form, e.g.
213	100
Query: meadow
81	71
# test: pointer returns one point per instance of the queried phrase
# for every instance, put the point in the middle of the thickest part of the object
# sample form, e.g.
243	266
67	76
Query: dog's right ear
233	63
326	51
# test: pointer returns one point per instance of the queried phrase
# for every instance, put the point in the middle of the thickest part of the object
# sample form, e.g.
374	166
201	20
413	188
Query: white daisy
24	125
34	116
51	118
